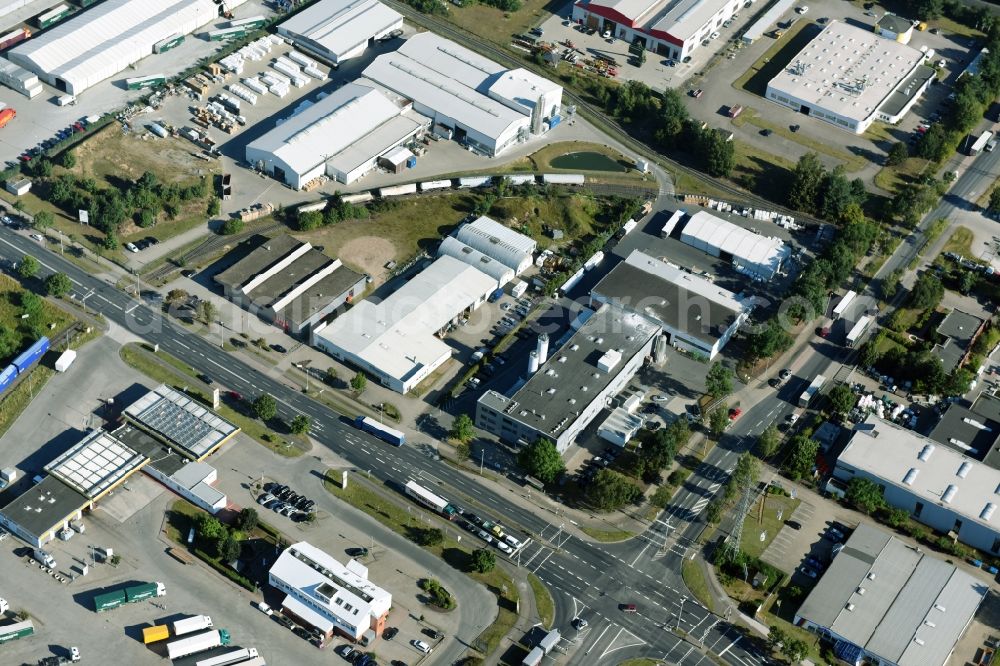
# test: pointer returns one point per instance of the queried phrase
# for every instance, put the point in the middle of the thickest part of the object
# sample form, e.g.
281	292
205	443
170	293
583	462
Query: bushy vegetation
337	210
438	596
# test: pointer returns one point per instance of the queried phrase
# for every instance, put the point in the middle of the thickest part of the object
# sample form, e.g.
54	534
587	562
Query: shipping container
141	82
155	633
859	330
534	657
475	181
520	286
224	34
144	591
397	190
379	430
811	391
7	377
31	355
53	16
191	624
434	185
110	600
252	23
65	360
159	130
13	37
11	632
6	116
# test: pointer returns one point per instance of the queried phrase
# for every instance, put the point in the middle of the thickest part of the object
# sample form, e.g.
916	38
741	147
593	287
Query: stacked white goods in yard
255	85
243	93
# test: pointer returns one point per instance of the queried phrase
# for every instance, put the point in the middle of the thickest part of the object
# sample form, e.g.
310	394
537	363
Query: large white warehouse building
107	38
336	30
470	98
341	135
758	256
509	247
850	77
397	340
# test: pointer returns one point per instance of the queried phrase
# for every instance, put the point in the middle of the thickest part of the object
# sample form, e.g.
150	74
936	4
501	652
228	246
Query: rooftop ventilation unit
911	476
949	493
963	469
850	607
987	511
925	453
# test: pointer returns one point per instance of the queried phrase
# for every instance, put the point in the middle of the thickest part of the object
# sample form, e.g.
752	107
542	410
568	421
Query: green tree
483	560
31	303
864	494
928	9
673	115
795	649
9	341
611	490
768	442
247	520
264	407
358	383
300	424
58	284
803	456
746	474
214	206
719	380
836	195
718	420
966	281
206	311
776	637
229	549
177	296
43	220
462	429
807	179
68	159
28	268
898	154
718	152
541	460
209	528
430	537
841	399
330	377
767	340
233	225
994	204
927	291
933	145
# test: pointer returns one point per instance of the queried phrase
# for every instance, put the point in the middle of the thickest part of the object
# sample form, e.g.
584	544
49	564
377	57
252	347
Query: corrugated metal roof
762	254
339	26
453	247
507	246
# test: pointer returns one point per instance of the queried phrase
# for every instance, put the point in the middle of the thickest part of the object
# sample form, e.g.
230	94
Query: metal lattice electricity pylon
736	534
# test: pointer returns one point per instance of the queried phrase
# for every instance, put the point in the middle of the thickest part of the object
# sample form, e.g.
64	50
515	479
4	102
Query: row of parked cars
513	314
596	464
60	136
140	245
491	532
283	500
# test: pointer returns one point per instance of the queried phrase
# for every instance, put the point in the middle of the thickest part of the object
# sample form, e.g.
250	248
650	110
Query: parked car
345	651
628	608
265	498
420	645
809	572
579	623
697	93
264	608
794	524
389	633
131	247
815	563
785	374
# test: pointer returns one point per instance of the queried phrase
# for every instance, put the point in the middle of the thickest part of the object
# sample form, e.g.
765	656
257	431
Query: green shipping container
109	600
140	592
168	43
12	632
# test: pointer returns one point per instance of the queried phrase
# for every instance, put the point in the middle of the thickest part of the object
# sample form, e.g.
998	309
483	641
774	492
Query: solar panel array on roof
193	428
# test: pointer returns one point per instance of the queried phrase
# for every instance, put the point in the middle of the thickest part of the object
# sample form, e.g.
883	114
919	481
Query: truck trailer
858	330
182	647
155	633
11	632
811	391
192	624
238	656
128	595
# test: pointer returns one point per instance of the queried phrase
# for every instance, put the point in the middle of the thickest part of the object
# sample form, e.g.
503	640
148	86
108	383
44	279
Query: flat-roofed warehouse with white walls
470	98
332	597
939	486
851	77
341	136
397	340
336	30
671	28
758	256
290	284
105	39
696	315
569	387
96	464
884	601
186	425
509	247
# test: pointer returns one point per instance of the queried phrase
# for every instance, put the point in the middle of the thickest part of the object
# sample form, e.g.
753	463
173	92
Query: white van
65	100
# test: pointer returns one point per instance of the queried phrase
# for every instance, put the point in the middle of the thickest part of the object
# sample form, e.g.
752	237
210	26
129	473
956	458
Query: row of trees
828	194
337	210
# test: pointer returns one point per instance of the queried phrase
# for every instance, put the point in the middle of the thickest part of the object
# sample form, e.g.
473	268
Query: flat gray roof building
887	600
959	328
289	283
574	383
44	509
973	431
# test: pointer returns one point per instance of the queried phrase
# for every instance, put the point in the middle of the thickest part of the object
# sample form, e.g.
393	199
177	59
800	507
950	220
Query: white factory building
470	99
571	385
943	489
851	77
100	41
398	340
453	247
336	30
758	256
341	135
335	598
670	28
695	315
511	248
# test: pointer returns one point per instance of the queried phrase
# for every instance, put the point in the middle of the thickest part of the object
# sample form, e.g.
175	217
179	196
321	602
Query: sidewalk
526	619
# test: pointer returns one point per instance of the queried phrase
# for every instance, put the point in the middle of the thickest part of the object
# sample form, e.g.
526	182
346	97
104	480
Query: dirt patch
111	153
369	254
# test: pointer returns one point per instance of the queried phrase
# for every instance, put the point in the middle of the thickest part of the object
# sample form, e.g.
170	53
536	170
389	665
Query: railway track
592	113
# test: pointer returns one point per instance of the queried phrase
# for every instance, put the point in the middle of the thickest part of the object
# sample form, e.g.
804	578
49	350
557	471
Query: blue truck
495	296
383	432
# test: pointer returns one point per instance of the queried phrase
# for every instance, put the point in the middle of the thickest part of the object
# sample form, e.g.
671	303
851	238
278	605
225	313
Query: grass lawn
851	162
167	369
542	159
889	178
960	242
694	578
765	174
606	536
755	79
388	511
51	321
685	184
543	601
498	26
751	543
